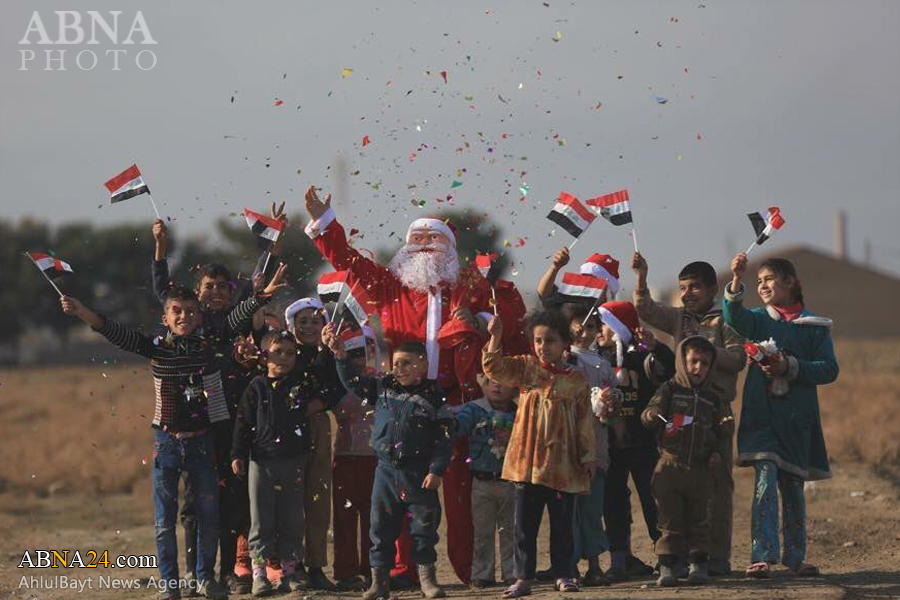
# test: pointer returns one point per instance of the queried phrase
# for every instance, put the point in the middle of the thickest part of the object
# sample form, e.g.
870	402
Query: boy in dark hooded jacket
694	426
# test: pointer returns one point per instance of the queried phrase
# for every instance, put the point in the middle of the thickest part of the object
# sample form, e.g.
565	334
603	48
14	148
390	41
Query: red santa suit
411	315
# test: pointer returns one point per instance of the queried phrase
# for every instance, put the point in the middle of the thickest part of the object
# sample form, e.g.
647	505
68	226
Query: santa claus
423	295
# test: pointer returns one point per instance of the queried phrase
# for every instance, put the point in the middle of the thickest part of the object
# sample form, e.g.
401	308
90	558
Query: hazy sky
782	103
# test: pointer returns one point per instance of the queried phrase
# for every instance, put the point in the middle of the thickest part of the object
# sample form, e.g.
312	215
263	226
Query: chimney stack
840	234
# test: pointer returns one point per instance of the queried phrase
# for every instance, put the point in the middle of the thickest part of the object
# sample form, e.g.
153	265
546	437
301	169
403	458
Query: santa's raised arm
422	295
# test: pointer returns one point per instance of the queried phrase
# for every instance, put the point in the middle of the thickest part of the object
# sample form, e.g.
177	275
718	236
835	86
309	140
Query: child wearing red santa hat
641	365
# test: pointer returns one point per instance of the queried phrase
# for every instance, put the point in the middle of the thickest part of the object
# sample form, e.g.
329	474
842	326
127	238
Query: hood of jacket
681	372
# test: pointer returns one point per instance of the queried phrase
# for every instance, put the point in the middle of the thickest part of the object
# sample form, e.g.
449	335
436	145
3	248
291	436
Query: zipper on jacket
693	429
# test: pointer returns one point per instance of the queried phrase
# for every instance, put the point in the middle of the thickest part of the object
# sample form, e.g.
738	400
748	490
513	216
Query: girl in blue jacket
780	431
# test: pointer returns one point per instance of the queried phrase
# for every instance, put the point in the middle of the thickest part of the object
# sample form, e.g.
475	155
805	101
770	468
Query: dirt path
854	537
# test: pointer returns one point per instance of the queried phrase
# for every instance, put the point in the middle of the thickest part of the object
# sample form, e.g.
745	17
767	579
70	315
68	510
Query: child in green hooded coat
780	431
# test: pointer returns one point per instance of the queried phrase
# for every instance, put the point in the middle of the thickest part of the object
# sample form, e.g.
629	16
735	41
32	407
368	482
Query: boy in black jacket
694	426
642	364
412	439
271	430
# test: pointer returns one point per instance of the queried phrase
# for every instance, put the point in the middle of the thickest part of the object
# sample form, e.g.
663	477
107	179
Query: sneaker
666	577
594	578
262	587
698	573
481	583
211	588
237	584
635	567
617	575
352	584
190	585
291	583
718	567
319	581
169	594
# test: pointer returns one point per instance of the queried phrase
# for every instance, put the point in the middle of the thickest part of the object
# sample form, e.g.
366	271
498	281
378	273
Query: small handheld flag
266	229
764	224
489	267
51	268
616	208
575	287
128	184
332	287
570	214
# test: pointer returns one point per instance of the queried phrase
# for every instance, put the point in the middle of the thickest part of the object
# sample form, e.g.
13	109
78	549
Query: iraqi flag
50	266
678	422
265	228
488	266
357	302
765	222
615	207
570	214
576	287
126	184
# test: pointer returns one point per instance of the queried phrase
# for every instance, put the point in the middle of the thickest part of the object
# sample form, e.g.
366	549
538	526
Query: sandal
805	570
566	585
518	589
758	570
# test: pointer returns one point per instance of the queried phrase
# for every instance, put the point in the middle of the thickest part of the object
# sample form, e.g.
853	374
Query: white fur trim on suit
432	329
431	225
315	228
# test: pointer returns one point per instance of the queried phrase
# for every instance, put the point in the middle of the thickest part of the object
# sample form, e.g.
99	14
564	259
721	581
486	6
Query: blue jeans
195	456
764	516
590	537
396	492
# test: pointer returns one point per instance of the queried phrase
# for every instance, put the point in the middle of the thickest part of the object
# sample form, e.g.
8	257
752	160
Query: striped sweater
186	372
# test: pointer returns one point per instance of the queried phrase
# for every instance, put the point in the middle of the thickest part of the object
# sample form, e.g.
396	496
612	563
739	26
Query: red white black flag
575	287
51	267
615	207
126	184
357	302
570	214
265	228
765	222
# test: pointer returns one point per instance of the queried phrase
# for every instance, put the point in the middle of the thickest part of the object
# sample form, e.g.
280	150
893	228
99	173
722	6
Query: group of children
242	411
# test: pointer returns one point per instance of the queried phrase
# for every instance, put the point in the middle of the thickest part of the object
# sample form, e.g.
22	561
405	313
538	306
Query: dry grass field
76	445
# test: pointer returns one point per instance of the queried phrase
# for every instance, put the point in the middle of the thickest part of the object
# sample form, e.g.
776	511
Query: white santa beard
422	271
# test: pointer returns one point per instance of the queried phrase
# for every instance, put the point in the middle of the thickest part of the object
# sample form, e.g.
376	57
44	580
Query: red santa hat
302	304
430	224
622	318
604	267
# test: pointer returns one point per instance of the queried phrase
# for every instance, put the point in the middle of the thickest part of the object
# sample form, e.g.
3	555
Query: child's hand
464	314
277	213
237	467
315	207
714	460
160	232
639	265
331	341
431	482
775	366
738	266
246	353
495	328
646	338
277	282
71	306
561	258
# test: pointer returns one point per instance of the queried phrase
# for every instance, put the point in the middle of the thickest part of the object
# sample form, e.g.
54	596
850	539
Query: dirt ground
854	536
